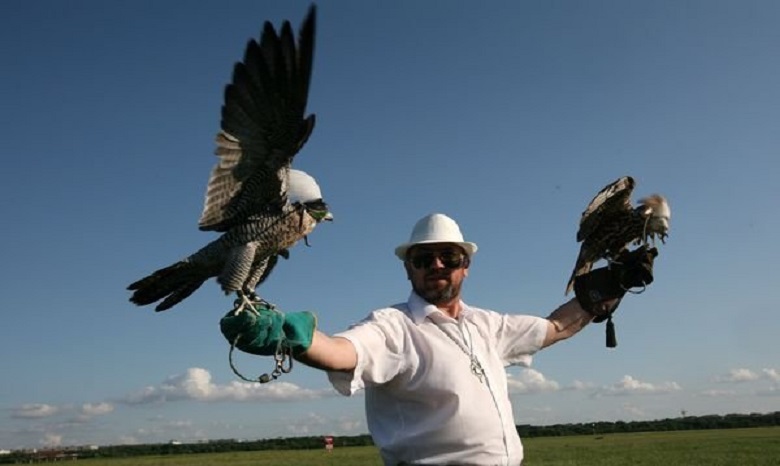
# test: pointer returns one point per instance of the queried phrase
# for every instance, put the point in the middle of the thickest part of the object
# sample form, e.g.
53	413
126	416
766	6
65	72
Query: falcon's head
657	214
302	188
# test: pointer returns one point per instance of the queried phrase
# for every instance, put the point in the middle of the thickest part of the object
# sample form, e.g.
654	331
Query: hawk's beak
319	215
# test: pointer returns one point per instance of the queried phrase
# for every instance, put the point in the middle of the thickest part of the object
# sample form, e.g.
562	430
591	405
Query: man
433	367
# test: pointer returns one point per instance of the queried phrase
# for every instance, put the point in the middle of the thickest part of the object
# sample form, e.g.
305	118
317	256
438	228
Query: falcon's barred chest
273	231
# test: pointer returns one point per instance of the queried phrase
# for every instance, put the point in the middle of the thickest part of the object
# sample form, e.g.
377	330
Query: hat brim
469	247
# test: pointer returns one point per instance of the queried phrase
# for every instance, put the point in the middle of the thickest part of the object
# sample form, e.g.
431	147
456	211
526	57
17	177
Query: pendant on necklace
476	368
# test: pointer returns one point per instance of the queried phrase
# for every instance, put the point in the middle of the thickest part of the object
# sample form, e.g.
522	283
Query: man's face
437	271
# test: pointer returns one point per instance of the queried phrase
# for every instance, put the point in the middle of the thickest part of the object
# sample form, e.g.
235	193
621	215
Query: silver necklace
467	347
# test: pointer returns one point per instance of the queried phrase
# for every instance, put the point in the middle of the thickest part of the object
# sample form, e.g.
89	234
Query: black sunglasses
449	259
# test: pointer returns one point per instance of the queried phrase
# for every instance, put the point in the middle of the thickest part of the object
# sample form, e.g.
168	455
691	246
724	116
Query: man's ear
408	268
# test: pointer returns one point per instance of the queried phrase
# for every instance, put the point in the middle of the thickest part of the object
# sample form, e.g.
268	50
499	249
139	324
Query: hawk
610	224
254	198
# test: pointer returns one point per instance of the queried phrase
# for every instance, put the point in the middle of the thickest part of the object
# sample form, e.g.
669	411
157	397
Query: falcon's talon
245	302
252	300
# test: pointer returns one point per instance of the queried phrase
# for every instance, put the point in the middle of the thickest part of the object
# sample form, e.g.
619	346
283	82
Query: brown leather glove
631	269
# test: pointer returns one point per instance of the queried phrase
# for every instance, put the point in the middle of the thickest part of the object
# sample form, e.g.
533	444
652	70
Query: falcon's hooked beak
318	209
319	212
321	215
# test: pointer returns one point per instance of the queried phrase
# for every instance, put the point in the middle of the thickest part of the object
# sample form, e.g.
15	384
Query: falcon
610	224
254	198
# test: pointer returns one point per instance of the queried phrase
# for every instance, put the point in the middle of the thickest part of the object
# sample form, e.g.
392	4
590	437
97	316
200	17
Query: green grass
732	447
352	456
756	446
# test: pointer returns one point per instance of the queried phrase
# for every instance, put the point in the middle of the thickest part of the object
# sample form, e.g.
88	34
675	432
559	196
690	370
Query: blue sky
509	116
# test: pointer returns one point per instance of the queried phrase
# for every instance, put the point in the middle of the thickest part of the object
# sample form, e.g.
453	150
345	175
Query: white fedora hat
435	228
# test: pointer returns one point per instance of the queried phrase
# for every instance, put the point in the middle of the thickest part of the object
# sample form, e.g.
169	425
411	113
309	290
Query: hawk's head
302	188
657	215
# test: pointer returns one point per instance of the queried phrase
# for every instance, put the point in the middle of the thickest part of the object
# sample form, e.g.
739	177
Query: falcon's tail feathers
173	283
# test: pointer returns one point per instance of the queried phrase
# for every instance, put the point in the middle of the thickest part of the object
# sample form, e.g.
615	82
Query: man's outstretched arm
330	353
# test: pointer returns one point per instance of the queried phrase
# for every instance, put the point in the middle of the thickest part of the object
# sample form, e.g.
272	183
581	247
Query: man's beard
439	295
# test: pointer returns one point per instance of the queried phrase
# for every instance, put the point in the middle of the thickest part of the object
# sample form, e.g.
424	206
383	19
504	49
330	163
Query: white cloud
631	386
34	411
772	374
96	409
579	385
530	381
747	375
80	414
738	375
195	384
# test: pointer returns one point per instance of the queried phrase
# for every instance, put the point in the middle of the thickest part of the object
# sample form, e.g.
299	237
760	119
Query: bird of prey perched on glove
254	198
610	224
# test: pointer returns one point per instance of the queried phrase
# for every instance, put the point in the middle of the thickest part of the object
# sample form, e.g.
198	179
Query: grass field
732	447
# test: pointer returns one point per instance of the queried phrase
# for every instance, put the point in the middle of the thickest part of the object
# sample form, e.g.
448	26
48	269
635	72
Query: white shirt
424	405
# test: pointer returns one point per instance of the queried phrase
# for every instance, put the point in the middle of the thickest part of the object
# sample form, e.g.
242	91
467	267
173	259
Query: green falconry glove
266	330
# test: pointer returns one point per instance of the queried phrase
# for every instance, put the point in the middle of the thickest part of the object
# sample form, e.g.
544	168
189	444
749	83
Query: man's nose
437	262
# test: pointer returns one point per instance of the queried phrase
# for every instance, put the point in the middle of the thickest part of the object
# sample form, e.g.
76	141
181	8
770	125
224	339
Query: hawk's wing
263	126
615	197
597	221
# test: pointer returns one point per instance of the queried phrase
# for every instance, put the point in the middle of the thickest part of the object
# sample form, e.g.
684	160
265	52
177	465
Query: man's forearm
566	321
330	353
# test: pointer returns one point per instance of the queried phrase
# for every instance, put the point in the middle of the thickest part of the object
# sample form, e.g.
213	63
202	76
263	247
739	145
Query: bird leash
282	354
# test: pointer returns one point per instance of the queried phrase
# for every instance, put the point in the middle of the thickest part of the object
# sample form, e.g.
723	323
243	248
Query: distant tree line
728	421
176	448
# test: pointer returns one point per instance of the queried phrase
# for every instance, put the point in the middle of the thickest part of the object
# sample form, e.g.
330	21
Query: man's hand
599	292
631	269
265	330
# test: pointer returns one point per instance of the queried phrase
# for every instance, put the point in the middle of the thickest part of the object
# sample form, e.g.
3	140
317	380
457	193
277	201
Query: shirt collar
420	309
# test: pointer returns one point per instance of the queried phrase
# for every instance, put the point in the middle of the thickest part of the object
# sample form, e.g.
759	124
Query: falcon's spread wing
263	126
615	197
